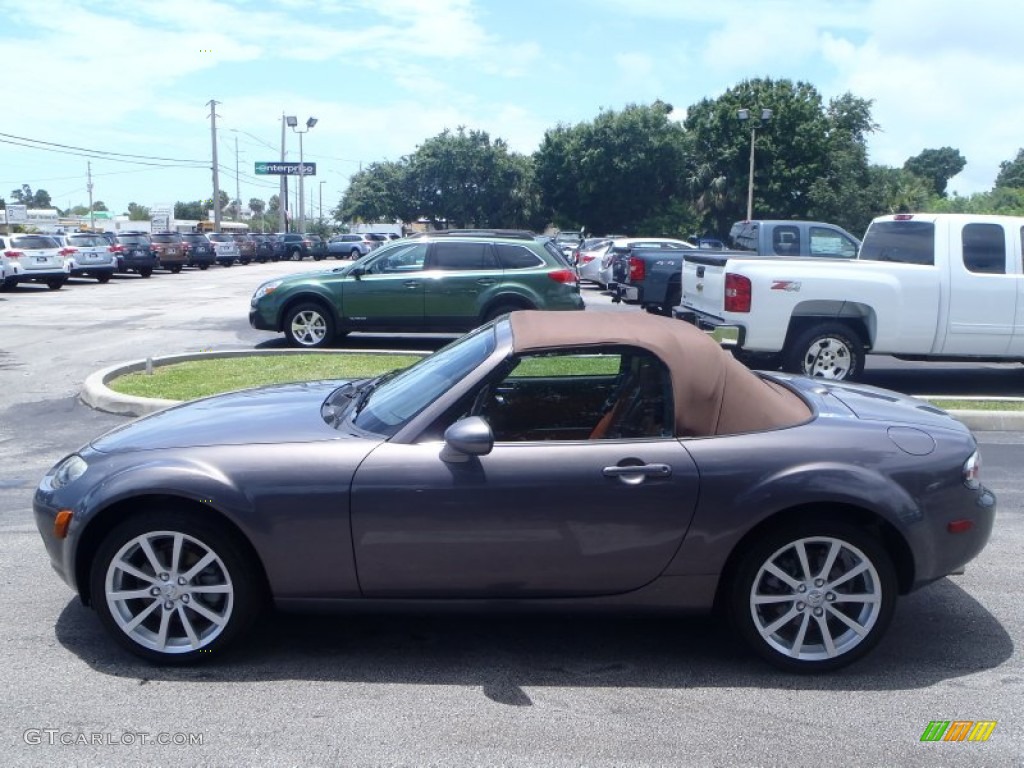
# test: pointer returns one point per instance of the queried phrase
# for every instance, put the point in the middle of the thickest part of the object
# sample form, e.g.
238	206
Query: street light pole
321	208
293	124
744	115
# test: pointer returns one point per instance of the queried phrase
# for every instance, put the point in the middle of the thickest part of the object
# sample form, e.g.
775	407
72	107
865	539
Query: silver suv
90	255
350	246
32	258
224	247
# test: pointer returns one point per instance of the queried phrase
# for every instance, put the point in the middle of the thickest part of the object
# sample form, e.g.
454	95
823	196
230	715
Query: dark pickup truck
652	277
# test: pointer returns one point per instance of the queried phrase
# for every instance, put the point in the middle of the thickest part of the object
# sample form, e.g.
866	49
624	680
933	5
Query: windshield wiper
369	389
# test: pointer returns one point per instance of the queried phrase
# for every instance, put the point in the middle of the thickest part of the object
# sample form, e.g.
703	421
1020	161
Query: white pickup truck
924	286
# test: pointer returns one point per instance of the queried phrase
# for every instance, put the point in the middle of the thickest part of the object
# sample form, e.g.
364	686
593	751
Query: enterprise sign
285	169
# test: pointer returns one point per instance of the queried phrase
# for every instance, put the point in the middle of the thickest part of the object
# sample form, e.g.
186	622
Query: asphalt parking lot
457	690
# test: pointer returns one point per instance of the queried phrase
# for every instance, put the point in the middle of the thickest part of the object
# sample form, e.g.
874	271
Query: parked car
246	247
614	265
793	238
439	282
290	245
33	258
316	247
170	250
925	286
264	248
89	254
588	259
225	249
198	249
135	253
350	246
613	460
569	242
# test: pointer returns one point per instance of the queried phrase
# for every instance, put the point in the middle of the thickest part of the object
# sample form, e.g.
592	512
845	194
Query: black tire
55	285
354	254
318	257
500	309
175	269
261	261
808	597
146	272
103	277
827	351
8	284
204	267
233	568
308	325
672	299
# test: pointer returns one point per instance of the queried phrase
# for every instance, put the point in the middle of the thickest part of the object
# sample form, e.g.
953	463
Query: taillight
589	257
117	249
562	275
737	293
68	251
972	471
637	269
13	254
903	217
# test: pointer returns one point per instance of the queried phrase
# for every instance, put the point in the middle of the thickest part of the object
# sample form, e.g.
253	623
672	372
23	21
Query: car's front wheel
309	325
174	588
813	596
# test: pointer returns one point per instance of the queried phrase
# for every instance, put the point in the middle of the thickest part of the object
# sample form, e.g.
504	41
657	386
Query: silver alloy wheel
829	357
169	592
309	328
816	598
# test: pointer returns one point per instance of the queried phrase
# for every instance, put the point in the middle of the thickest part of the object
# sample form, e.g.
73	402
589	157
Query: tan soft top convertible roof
714	394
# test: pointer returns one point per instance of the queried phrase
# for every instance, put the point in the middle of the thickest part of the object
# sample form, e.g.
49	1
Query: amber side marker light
61	523
960	526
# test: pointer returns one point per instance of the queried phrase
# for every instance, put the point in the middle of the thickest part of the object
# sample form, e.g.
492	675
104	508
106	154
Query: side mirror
467	437
357	272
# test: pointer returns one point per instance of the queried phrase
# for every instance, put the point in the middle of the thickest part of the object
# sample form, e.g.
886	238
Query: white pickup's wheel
826	351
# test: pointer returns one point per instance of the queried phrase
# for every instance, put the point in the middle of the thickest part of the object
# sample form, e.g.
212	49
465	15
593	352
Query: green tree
257	206
41	199
810	158
274	204
381	192
614	173
137	212
192	211
1011	172
79	210
896	190
24	195
99	205
937	167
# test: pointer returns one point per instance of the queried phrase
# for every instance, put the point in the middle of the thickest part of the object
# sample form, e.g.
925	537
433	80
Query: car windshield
221	238
165	238
390	406
133	239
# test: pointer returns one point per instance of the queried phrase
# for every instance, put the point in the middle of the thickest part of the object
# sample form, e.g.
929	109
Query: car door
549	512
984	282
387	290
458	275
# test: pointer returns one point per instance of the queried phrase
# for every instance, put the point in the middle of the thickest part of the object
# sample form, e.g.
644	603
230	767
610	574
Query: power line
183	164
99	151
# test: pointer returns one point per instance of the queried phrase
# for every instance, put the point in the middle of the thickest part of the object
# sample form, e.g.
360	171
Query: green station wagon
442	282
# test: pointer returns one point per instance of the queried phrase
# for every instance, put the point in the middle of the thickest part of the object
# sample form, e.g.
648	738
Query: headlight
69	470
265	289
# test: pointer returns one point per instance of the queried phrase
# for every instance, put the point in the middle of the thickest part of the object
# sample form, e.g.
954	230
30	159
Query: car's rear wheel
175	269
813	596
355	254
8	283
826	351
103	277
55	285
309	325
204	267
146	272
174	588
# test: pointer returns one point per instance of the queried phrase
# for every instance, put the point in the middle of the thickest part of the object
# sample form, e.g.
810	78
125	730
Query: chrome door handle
647	470
412	283
486	281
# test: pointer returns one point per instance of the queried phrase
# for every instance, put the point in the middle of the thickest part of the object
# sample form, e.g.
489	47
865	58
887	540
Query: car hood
286	413
875	404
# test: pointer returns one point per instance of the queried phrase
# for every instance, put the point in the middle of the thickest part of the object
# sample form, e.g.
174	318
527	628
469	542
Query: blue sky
382	75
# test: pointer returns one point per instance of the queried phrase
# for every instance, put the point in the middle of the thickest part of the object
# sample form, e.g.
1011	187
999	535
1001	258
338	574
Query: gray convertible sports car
598	461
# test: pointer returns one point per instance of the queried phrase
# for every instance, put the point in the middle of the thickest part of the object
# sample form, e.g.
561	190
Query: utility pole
88	185
282	198
238	184
216	178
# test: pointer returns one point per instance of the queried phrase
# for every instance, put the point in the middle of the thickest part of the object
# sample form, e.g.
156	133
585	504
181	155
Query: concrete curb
96	394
